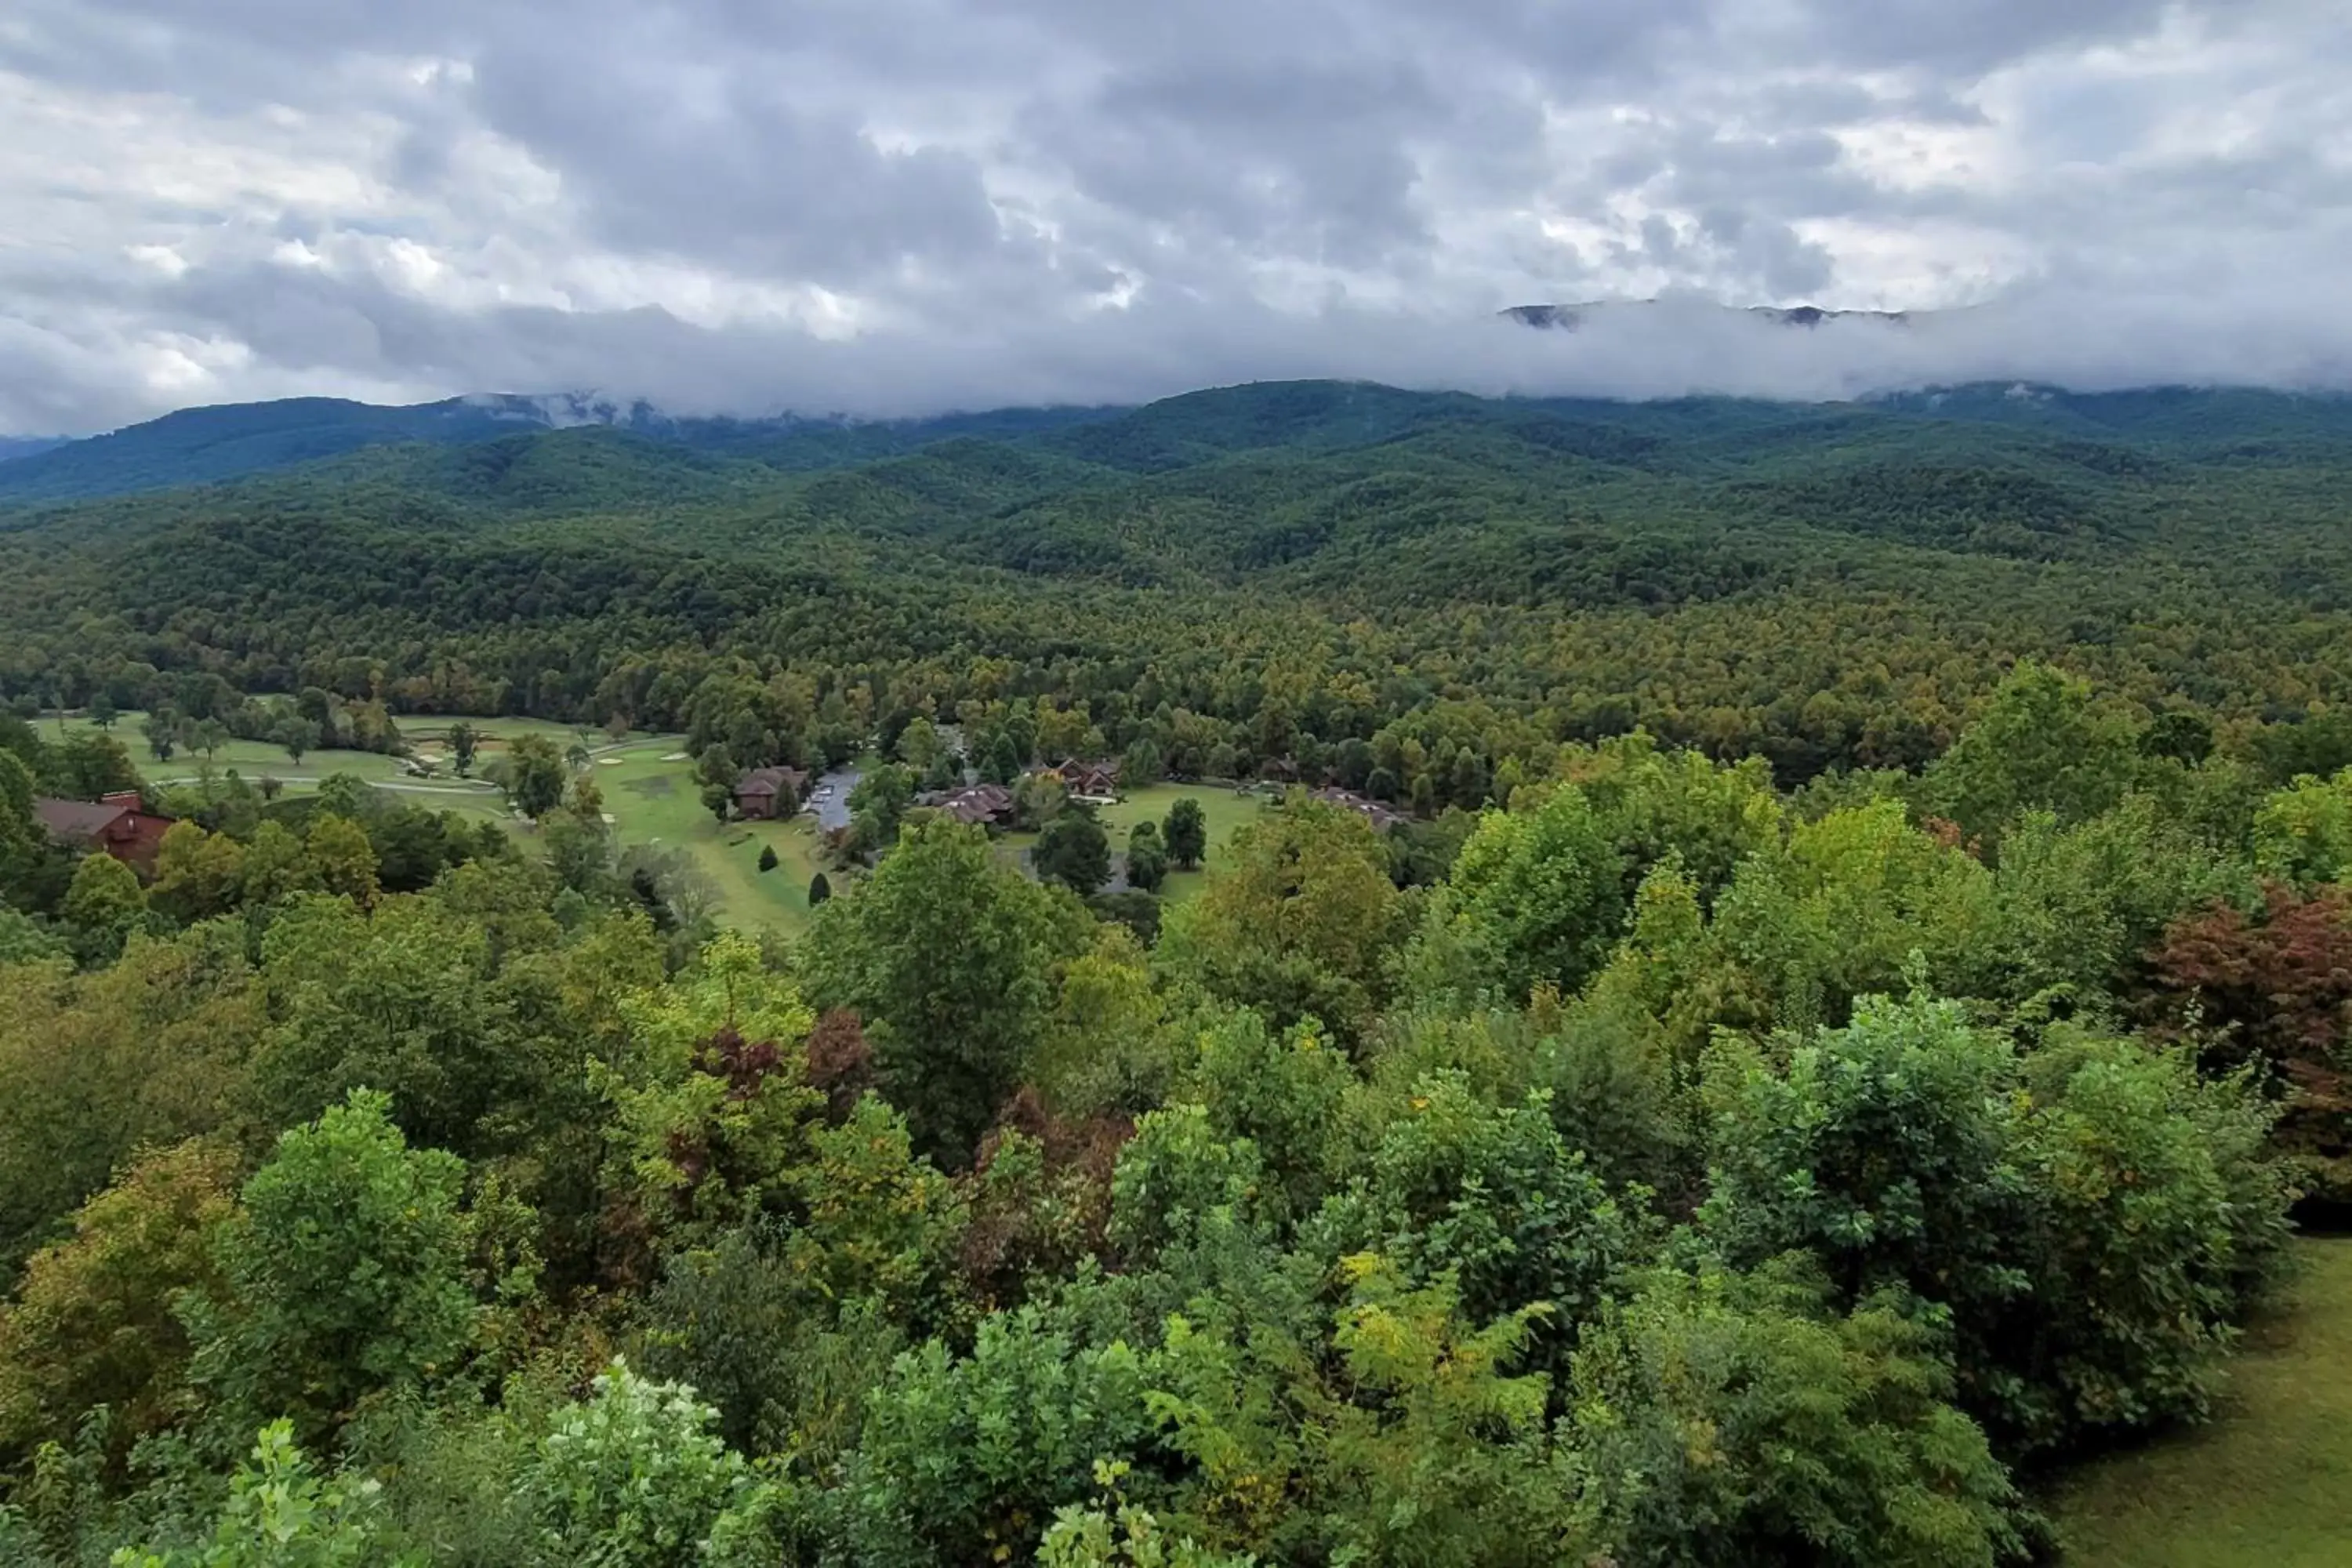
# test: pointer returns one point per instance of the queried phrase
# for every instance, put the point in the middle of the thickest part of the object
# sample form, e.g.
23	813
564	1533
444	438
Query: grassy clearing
2265	1484
654	799
1225	812
251	759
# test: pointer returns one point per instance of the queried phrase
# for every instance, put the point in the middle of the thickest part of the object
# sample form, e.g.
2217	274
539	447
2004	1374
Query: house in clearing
1381	817
760	793
1094	784
985	805
117	824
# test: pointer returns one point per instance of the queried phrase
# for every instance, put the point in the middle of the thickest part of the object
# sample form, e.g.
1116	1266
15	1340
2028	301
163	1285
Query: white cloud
895	205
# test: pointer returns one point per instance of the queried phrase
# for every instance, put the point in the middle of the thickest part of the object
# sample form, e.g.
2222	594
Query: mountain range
207	445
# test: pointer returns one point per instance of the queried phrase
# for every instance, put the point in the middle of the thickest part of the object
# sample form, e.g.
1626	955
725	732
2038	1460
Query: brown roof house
760	793
117	824
1382	817
989	805
1096	783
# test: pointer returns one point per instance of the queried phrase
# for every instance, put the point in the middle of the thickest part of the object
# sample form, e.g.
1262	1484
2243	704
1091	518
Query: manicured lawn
2269	1483
1225	812
251	759
653	798
426	731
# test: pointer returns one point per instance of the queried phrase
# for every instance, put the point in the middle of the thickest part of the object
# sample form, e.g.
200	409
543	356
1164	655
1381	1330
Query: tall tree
1300	923
535	775
1073	851
344	1272
299	736
1186	832
464	741
944	951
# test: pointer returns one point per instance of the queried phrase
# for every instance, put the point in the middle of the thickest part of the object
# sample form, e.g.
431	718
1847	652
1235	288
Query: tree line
1660	1164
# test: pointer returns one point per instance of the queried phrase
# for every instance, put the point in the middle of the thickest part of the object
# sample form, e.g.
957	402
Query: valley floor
2269	1483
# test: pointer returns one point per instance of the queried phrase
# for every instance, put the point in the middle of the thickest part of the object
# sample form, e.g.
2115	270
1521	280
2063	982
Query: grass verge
2268	1483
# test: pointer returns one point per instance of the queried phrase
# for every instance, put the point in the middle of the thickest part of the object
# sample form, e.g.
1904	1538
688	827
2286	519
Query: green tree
878	804
1147	858
161	728
199	875
1301	921
276	866
2041	742
88	765
965	1457
944	951
341	859
23	940
344	1272
1890	1151
1073	851
1142	764
768	860
820	889
300	737
95	1067
91	1322
633	1475
2303	833
919	746
1727	1418
2160	1211
281	1513
1492	1197
535	775
1002	762
102	712
465	744
104	905
1537	897
1186	832
20	832
2180	734
1837	914
717	770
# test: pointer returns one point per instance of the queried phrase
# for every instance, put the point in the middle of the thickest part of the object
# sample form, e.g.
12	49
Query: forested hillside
1281	569
1790	982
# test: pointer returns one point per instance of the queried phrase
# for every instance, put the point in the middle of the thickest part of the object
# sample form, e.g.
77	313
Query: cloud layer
885	207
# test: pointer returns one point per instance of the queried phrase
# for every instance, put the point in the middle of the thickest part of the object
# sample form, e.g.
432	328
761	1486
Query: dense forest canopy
1792	977
1284	565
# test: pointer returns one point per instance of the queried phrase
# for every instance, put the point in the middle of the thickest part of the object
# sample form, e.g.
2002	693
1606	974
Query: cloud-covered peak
886	206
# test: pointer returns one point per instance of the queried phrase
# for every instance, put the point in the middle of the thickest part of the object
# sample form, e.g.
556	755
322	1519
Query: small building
760	795
117	824
1382	817
984	804
1095	783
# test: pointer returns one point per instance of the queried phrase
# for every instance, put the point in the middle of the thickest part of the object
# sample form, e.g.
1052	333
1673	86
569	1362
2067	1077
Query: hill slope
1750	576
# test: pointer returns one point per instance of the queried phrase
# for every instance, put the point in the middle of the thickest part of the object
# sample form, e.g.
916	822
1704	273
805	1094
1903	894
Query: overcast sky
905	206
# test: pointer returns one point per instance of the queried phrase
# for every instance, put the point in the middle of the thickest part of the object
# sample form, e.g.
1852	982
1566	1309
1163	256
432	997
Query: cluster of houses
765	794
989	805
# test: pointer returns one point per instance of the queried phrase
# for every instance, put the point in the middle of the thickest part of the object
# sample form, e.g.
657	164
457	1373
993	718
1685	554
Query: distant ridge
1568	318
13	447
230	441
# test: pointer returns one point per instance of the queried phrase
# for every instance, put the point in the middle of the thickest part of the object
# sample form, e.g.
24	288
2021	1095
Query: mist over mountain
557	445
15	446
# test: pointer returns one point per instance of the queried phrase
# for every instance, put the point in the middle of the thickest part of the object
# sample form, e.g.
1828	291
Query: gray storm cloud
905	206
